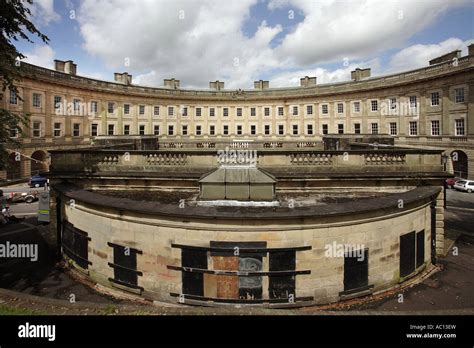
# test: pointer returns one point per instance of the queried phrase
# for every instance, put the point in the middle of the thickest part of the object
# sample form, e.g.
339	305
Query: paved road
460	199
22	209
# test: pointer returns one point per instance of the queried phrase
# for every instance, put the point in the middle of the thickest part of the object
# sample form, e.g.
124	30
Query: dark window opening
356	270
125	265
193	283
407	254
282	286
420	248
75	244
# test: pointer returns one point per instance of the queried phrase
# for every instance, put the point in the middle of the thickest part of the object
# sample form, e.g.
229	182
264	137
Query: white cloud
41	55
292	78
201	41
332	30
417	56
43	12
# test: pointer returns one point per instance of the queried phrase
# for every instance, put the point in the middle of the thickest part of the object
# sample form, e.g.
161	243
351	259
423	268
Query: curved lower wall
290	245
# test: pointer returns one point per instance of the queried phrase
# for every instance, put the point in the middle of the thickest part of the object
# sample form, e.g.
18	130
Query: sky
241	41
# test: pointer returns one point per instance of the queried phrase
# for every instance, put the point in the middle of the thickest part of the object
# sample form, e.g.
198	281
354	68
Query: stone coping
442	69
370	205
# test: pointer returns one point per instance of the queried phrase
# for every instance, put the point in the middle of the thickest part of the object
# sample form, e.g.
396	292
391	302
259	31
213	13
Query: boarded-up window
125	265
192	281
282	286
420	248
356	269
407	254
236	259
75	244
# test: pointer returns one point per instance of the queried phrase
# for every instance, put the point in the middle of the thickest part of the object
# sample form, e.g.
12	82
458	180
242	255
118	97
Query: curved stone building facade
432	106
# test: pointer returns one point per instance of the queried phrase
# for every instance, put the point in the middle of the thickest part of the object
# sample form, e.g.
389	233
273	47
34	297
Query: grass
8	310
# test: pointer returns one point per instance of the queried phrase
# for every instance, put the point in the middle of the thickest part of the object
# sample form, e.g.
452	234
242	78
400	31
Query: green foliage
14	25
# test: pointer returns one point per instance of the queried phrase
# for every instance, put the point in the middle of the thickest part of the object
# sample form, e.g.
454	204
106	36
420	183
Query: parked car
28	197
451	181
464	185
37	181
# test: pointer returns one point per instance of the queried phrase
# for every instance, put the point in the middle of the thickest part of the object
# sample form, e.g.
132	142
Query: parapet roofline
250	91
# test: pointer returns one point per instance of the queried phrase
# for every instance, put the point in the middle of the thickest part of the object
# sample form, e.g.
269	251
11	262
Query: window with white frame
170	129
281	129
76	130
57	128
413	128
94	129
340	128
356	107
309	129
435	127
57	102
212	130
324	109
36	100
267	129
13	97
198	112
281	111
225	130
459	95
253	111
309	109
110	108
141	110
324	129
413	101
225	112
253	129
239	129
156	129
357	128
94	107
141	129
77	105
184	111
266	111
126	129
156	110
239	112
198	129
13	133
170	111
110	129
340	108
393	103
212	112
393	128
374	128
36	129
374	105
295	129
126	109
459	127
184	129
295	110
435	99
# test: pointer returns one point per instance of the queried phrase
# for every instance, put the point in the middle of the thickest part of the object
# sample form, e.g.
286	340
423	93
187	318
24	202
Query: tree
15	25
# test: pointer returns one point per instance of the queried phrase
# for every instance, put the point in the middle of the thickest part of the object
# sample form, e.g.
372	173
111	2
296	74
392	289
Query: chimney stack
67	66
260	84
172	83
123	78
308	81
217	85
359	74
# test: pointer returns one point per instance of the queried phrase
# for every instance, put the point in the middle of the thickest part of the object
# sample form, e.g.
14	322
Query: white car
464	185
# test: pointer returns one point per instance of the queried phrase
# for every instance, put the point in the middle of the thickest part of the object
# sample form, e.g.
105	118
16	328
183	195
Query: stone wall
154	235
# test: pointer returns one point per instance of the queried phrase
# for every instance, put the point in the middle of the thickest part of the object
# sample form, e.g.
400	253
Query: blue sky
240	41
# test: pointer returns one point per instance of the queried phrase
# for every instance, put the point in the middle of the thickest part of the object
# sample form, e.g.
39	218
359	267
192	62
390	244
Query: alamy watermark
345	250
237	157
21	251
